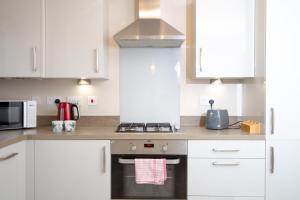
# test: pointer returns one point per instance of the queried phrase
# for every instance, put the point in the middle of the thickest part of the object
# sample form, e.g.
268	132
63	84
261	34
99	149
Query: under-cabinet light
84	81
216	81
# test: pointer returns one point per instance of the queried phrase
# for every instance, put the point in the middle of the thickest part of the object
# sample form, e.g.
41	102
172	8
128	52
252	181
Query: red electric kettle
66	111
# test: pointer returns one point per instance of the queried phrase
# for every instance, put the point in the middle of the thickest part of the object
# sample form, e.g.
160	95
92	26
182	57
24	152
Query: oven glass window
124	185
11	115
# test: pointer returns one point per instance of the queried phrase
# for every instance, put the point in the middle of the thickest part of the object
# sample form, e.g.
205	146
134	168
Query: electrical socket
203	110
74	100
204	101
51	99
92	100
37	99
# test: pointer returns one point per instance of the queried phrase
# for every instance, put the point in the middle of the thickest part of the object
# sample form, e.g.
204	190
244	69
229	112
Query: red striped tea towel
151	171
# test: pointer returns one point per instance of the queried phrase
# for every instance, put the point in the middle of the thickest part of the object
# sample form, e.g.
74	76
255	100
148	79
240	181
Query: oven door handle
131	161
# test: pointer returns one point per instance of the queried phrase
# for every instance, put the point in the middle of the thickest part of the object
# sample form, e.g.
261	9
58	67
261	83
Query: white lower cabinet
226	170
226	149
13	172
72	169
224	198
226	177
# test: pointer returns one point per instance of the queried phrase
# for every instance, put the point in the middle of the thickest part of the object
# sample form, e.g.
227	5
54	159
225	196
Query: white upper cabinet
53	38
225	38
283	69
20	38
75	39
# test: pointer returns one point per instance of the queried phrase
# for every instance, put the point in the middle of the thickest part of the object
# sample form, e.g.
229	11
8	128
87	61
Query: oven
123	180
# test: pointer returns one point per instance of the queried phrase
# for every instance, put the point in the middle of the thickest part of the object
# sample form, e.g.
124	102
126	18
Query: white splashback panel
150	85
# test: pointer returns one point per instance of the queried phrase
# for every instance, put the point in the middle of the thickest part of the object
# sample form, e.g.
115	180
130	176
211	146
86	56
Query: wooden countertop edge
109	134
11	141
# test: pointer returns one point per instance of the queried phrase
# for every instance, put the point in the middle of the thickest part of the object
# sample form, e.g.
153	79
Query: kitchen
95	162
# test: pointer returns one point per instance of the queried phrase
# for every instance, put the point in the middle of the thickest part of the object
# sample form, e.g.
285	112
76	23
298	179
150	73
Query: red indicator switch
92	100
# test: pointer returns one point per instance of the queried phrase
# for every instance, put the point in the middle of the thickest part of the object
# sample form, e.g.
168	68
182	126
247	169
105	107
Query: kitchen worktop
108	133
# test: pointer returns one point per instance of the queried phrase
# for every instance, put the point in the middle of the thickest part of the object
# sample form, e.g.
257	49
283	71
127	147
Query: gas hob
145	128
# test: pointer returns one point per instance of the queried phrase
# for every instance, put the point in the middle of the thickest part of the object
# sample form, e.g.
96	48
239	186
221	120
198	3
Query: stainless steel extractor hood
149	30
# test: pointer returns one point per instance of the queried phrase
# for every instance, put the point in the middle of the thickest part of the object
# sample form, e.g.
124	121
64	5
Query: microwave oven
18	114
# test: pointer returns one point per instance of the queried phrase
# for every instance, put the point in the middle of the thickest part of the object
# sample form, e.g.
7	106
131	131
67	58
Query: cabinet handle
97	60
272	160
272	121
225	163
200	59
225	150
8	157
103	160
34	68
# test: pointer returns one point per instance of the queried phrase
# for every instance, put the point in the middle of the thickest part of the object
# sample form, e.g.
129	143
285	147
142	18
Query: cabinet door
224	198
20	41
225	38
72	170
12	172
211	177
283	69
74	39
283	175
226	149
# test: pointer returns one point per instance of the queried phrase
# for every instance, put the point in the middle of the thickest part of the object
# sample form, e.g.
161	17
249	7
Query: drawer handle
34	67
97	60
272	121
200	59
8	157
272	160
225	163
104	160
225	150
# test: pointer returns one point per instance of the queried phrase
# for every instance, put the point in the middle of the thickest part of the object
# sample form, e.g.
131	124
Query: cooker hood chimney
149	30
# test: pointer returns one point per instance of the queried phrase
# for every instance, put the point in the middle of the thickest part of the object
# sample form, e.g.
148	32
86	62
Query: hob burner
145	128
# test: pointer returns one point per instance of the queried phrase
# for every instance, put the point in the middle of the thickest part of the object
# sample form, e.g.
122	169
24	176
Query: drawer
224	198
226	177
226	149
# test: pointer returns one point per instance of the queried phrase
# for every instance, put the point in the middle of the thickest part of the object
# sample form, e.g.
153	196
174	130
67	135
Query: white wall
121	14
254	91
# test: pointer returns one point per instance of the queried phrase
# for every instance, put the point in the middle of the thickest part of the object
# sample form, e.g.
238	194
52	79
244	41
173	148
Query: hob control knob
133	148
165	148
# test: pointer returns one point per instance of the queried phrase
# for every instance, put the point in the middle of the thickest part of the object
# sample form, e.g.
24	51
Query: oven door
124	185
11	115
